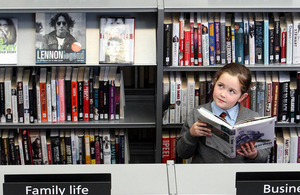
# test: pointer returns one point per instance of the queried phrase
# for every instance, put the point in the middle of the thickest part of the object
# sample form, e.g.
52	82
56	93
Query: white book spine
178	102
251	42
175	45
38	104
26	103
205	47
190	96
49	103
44	147
172	100
184	103
296	43
106	147
21	151
53	101
14	105
289	44
232	45
8	104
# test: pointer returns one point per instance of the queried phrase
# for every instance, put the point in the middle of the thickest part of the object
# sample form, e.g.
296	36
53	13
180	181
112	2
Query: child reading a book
231	84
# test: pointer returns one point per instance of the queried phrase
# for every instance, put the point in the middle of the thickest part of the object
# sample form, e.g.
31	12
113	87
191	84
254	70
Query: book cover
67	150
228	139
60	38
212	40
92	146
191	91
239	38
251	38
8	40
199	34
205	40
168	40
293	145
259	38
192	45
117	38
233	49
68	104
228	38
284	95
246	38
175	42
266	37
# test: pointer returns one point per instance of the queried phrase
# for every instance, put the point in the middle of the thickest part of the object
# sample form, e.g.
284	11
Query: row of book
275	94
201	39
116	44
88	146
53	94
286	147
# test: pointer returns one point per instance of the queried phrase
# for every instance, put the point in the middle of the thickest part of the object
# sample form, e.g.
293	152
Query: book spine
233	46
277	42
271	46
218	42
223	42
184	104
228	44
55	148
26	103
178	103
167	44
118	101
74	101
298	98
260	97
14	105
61	96
253	96
172	101
199	32
20	102
68	101
49	105
87	147
8	102
205	44
96	104
266	38
97	149
275	99
268	106
105	100
101	100
292	104
192	45
86	101
2	102
175	45
289	44
252	42
283	47
259	33
284	91
212	43
196	61
246	42
43	95
165	147
181	39
187	48
112	103
91	99
53	101
80	100
57	99
38	103
296	43
239	44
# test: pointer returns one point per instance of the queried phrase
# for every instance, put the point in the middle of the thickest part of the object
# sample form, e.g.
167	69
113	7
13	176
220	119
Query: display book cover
8	40
117	40
227	139
60	38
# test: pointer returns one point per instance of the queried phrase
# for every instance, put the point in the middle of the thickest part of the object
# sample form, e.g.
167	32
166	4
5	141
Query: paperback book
8	40
228	139
60	38
117	36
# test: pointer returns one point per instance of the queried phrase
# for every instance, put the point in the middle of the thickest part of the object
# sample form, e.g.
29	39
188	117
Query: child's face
227	91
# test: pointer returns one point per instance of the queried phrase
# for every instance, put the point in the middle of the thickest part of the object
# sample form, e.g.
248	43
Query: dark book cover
27	147
277	34
105	99
259	41
168	30
68	96
2	102
80	100
55	146
91	94
12	159
68	142
60	38
284	96
271	43
297	109
228	44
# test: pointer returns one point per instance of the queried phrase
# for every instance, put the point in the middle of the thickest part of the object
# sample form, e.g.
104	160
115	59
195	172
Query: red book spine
192	61
187	48
173	146
283	47
199	29
43	95
86	101
246	102
165	147
74	102
49	153
181	41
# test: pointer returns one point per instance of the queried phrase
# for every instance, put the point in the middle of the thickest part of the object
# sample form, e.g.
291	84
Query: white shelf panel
78	5
231	5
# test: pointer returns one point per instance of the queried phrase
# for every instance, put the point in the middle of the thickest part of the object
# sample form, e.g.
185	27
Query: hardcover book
8	41
60	38
168	41
228	139
117	37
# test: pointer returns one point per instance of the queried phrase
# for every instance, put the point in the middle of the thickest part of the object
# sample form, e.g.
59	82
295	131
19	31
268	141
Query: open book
227	139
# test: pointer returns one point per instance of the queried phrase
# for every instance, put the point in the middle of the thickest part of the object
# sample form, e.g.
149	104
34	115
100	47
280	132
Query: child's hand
248	150
200	129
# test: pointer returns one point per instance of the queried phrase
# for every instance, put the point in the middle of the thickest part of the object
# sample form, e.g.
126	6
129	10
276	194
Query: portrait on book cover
60	37
8	40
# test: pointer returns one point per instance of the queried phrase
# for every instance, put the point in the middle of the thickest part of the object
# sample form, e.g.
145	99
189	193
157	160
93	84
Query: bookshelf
171	7
140	110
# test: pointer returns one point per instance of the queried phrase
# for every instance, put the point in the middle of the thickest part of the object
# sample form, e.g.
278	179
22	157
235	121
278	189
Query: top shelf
32	6
232	6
